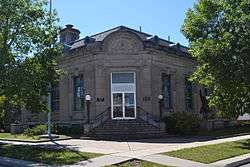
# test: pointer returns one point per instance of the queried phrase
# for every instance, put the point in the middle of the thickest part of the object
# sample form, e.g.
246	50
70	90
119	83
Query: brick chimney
69	34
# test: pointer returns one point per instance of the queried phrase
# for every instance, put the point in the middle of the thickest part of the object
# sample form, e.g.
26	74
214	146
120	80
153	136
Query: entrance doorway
123	95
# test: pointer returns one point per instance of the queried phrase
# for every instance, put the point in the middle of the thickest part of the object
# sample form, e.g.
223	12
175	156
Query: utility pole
49	113
49	98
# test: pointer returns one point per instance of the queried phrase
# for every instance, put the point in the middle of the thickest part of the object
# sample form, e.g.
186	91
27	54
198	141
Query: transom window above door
123	78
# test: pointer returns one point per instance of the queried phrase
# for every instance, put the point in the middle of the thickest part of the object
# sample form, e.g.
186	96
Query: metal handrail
148	117
99	119
143	114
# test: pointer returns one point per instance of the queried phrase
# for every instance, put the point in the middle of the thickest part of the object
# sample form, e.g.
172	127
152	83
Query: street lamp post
88	99
160	98
49	113
49	135
49	97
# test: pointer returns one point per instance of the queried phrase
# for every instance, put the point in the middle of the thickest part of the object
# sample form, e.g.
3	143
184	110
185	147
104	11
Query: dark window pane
166	91
79	93
122	77
117	111
55	105
188	94
129	105
130	111
129	99
117	99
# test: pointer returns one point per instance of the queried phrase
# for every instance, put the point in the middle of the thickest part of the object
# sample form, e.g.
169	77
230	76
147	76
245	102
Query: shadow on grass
70	148
245	144
44	154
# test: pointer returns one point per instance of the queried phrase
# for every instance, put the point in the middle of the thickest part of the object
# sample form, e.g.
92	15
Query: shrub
36	130
62	129
69	129
184	123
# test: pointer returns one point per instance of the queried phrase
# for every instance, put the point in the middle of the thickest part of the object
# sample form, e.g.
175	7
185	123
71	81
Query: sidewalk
136	148
172	161
147	149
101	161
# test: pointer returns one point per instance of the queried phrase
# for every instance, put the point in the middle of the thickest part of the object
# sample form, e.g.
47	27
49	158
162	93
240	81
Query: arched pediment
123	42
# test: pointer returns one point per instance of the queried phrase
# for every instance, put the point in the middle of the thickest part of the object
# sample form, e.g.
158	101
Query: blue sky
157	17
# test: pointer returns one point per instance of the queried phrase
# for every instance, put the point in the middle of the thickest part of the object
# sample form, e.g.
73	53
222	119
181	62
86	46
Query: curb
239	163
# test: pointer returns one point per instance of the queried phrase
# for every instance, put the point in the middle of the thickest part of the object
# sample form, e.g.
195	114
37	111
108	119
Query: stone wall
122	51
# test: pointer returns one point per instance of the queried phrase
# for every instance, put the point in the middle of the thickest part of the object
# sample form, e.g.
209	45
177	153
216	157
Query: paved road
247	165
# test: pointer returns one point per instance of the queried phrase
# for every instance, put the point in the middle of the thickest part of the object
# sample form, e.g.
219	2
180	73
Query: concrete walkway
147	149
135	148
101	161
172	161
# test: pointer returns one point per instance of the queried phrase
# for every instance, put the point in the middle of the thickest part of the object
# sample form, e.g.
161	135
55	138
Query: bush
184	123
36	130
69	129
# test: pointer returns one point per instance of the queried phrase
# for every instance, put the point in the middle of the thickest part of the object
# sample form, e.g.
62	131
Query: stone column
101	89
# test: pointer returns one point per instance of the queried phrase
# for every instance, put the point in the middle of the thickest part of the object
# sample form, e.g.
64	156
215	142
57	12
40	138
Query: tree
28	53
219	36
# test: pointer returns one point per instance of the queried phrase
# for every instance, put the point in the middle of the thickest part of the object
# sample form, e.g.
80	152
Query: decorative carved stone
123	43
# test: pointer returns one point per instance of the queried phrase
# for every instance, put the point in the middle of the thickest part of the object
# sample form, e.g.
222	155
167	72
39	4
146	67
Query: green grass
22	137
137	163
44	155
9	136
212	153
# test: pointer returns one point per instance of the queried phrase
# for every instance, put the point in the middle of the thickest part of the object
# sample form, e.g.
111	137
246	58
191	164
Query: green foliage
219	35
222	114
2	111
184	123
28	53
36	130
2	101
74	129
18	137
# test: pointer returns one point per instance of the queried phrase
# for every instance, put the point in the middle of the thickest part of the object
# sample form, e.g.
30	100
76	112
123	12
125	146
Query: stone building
134	79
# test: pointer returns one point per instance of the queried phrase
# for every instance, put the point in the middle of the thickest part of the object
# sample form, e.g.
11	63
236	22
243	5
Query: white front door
123	96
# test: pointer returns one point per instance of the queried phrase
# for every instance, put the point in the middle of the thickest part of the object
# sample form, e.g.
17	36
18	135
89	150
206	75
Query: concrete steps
126	129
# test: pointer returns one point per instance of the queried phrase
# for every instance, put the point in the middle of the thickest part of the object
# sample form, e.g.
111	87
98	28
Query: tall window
166	91
79	93
188	94
55	99
207	91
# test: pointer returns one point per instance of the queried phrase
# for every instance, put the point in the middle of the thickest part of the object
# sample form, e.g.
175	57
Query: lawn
137	163
44	155
22	137
212	153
